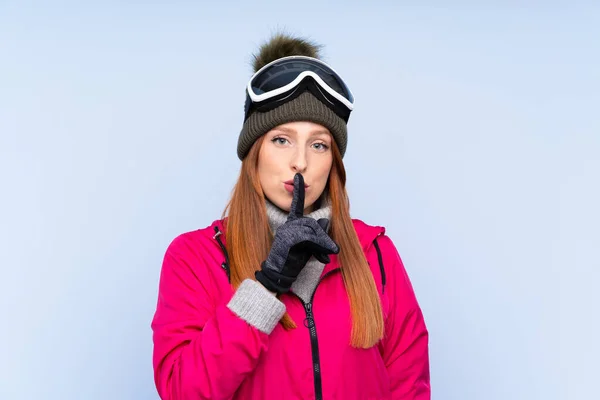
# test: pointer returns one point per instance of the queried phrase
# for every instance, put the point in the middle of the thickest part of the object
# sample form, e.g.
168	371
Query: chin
286	204
283	204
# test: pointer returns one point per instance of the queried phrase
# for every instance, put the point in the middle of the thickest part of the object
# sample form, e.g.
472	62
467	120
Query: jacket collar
366	235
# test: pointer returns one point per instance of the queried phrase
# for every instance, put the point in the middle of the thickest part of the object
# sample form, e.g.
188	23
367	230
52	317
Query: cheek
326	168
267	170
323	174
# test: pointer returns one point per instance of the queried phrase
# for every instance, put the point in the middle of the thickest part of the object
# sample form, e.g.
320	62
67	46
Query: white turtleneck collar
277	216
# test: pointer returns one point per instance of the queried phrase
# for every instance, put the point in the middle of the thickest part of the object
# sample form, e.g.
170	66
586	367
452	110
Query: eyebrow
313	133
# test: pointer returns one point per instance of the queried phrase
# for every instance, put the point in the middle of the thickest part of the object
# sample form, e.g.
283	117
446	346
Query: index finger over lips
297	208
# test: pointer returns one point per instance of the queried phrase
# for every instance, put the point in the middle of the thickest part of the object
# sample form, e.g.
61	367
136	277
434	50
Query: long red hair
247	218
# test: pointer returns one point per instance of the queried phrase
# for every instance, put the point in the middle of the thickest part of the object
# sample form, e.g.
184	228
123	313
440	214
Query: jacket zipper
224	265
309	322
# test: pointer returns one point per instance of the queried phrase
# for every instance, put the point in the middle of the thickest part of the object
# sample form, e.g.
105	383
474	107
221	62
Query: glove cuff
274	281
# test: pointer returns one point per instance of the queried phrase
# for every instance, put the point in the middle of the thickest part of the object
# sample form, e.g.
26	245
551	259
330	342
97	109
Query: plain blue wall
475	141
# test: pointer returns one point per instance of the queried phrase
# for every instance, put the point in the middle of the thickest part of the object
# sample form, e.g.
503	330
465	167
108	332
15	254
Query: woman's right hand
294	243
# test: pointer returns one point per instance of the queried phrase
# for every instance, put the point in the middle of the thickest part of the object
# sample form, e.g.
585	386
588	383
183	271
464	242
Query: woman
288	297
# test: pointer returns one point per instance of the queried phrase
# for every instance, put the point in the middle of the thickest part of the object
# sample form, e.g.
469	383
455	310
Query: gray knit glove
298	239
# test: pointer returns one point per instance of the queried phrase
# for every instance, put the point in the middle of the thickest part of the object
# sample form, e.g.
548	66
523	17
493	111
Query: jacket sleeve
406	341
203	350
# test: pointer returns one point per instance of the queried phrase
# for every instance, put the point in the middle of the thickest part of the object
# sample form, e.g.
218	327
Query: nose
299	161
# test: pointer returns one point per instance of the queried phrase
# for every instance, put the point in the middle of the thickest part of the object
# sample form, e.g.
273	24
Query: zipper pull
309	321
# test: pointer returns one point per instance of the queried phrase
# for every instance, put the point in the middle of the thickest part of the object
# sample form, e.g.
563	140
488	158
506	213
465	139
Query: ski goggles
286	78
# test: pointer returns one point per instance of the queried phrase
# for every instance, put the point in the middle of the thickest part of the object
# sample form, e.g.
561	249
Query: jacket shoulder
197	236
381	253
367	233
199	250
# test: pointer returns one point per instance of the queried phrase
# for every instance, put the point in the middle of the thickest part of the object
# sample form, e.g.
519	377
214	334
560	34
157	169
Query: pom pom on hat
282	45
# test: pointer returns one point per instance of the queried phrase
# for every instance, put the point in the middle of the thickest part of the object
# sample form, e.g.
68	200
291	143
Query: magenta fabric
202	350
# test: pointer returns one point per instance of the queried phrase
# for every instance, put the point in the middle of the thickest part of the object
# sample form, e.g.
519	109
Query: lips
289	186
291	182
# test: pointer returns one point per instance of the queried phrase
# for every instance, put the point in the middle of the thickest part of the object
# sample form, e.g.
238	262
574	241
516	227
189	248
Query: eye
279	140
321	146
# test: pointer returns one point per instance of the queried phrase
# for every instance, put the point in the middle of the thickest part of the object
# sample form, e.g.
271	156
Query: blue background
475	141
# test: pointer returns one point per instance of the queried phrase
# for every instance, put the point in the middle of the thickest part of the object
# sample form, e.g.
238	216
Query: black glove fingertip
336	248
323	223
322	258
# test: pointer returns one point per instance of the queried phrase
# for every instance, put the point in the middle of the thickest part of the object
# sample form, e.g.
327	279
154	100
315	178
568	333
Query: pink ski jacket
203	350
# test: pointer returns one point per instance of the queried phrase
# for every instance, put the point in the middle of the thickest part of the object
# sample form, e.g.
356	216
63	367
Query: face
303	147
